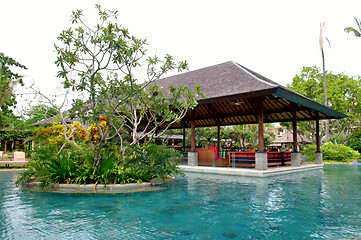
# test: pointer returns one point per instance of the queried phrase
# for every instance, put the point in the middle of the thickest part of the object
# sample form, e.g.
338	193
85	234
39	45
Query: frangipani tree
101	63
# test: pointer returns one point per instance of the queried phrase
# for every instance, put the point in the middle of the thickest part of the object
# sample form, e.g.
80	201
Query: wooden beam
212	110
252	106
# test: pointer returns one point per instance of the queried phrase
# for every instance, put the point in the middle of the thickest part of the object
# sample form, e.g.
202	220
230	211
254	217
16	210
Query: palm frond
358	24
352	30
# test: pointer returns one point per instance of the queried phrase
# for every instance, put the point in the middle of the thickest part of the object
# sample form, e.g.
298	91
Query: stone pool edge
99	188
275	171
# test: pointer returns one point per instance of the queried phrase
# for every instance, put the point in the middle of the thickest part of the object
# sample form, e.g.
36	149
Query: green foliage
356	32
61	169
339	152
39	112
12	135
354	141
333	152
100	61
156	161
343	93
8	79
138	164
309	152
40	158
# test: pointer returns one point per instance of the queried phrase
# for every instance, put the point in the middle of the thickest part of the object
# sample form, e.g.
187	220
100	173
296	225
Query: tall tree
355	31
344	94
39	112
322	37
8	79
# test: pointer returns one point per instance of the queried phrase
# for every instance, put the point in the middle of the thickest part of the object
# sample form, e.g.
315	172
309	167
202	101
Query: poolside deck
251	172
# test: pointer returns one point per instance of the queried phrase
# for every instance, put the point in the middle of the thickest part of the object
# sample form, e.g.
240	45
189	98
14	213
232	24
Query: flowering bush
93	133
55	133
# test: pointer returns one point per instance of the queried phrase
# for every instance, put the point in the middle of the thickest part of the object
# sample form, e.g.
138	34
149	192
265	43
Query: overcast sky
273	38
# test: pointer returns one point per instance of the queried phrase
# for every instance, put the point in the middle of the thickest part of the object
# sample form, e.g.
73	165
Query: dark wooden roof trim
302	100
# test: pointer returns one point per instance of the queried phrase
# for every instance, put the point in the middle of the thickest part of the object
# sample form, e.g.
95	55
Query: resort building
235	95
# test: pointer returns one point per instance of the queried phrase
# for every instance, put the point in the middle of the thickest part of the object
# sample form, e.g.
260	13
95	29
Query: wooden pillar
193	136
318	149
184	139
295	142
294	126
218	136
260	125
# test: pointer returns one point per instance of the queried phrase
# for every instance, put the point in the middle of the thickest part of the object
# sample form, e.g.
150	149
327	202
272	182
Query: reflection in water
316	204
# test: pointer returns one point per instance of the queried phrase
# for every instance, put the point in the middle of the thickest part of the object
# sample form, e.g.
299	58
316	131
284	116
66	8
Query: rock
156	182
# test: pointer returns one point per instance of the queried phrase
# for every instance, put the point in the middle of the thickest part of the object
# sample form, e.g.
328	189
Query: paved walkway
251	172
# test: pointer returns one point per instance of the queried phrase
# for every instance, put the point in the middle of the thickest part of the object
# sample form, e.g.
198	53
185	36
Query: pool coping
92	188
34	185
272	171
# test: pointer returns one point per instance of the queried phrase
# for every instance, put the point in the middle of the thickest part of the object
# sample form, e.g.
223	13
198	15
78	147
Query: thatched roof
52	120
232	92
222	80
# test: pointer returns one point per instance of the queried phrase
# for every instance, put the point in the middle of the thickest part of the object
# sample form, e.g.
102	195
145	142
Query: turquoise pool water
322	204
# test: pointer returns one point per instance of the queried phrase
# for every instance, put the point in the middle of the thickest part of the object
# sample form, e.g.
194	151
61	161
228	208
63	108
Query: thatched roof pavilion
232	92
237	95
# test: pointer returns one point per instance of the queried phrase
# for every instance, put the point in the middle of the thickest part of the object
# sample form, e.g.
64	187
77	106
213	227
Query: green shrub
333	152
157	161
338	152
354	141
138	164
309	152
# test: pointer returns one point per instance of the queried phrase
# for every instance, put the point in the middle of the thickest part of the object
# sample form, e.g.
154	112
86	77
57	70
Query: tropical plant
138	164
356	32
333	152
354	140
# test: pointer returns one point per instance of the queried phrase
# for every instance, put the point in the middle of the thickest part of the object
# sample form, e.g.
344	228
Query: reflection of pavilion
235	95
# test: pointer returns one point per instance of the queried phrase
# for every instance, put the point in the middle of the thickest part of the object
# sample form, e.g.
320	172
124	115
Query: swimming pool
320	204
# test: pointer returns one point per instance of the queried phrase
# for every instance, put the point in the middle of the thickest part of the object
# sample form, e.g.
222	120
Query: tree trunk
327	128
97	158
6	146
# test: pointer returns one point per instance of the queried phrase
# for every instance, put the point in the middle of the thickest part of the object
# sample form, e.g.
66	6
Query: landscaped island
73	166
99	139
